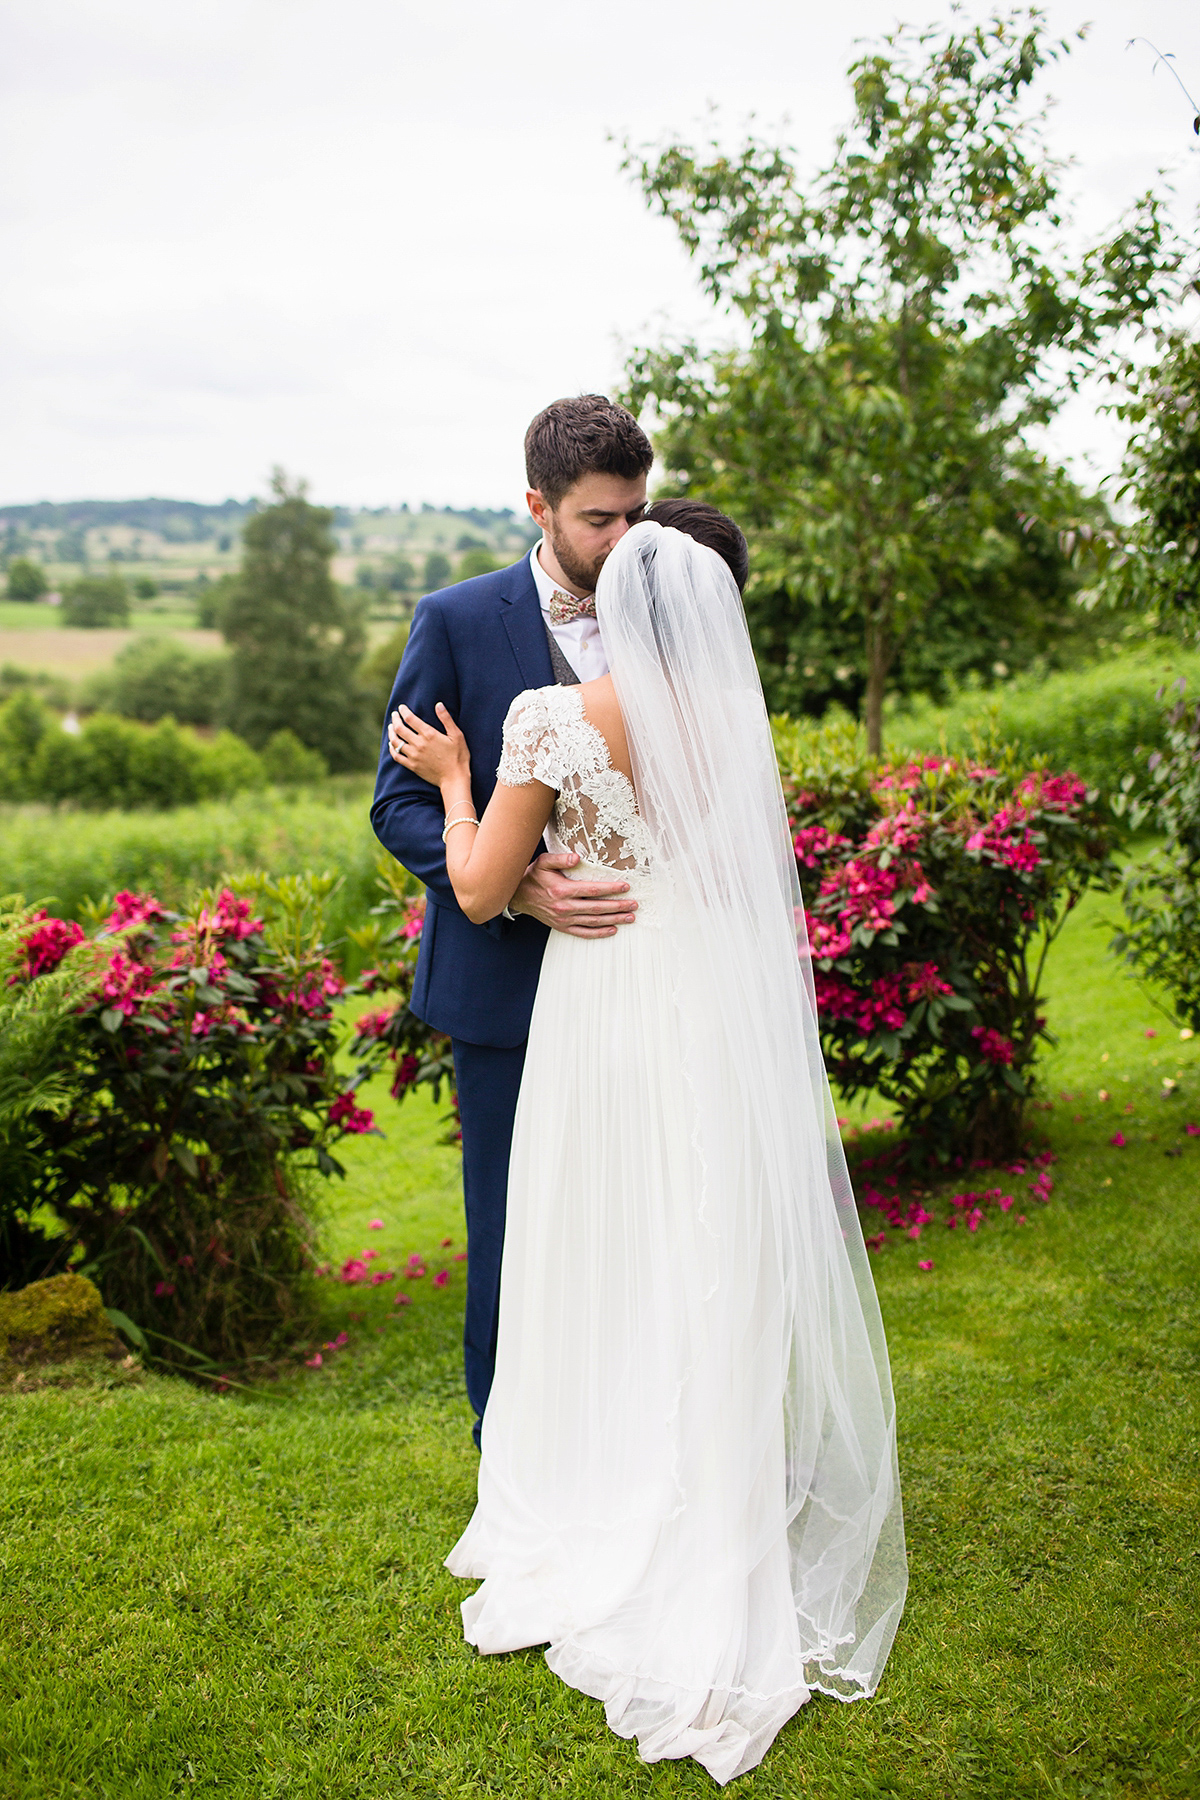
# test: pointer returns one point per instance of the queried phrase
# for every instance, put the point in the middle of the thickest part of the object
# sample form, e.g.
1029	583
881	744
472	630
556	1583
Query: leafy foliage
96	600
156	676
934	891
477	562
178	853
297	643
379	670
1154	568
437	571
1102	721
26	579
390	944
203	1084
1160	941
286	760
112	762
908	322
37	1019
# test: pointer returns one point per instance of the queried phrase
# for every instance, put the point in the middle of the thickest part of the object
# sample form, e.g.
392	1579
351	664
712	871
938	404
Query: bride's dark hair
708	525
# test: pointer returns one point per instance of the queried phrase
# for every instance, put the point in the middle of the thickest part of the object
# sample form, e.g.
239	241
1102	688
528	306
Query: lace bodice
547	737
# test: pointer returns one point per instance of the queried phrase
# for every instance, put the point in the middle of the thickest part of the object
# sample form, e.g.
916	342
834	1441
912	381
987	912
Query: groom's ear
538	507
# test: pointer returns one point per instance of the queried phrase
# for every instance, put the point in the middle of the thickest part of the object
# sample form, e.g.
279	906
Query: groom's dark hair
708	525
588	435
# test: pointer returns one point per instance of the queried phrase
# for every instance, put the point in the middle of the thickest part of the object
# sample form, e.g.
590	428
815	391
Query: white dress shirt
580	640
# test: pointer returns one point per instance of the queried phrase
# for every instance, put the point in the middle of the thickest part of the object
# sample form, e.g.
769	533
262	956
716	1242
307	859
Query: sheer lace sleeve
529	752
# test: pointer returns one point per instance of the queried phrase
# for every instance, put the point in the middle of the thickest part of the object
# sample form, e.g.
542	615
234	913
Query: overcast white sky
368	239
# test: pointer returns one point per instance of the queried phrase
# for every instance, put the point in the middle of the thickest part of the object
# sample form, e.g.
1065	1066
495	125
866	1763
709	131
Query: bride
688	1487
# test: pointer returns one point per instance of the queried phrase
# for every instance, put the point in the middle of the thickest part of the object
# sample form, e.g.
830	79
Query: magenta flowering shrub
419	1056
932	892
203	1084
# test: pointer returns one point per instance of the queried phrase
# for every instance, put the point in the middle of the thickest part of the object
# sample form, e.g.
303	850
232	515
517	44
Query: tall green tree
1153	566
911	312
26	579
297	644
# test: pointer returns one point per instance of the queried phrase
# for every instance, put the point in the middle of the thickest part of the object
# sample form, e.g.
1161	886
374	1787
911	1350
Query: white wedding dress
688	1485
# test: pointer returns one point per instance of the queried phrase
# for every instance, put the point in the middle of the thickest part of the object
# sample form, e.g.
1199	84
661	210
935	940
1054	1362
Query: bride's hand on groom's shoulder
436	756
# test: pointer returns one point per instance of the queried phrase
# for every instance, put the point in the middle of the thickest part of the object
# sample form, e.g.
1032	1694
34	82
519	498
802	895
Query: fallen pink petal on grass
460	1256
403	1299
375	1225
163	1289
441	1278
1149	1034
314	1362
1192	1130
927	1264
1117	1140
339	1342
1021	1220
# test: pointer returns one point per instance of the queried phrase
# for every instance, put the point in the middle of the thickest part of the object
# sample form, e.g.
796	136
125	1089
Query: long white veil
791	1298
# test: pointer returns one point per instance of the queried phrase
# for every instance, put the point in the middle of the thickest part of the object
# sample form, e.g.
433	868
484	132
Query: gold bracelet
450	827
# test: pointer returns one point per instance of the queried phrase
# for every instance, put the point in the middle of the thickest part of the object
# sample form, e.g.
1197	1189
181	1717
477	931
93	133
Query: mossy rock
49	1321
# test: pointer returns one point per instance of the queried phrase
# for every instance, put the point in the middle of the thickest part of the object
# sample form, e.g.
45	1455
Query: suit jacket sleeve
406	811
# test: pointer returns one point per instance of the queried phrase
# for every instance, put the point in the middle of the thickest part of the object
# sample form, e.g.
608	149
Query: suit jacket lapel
522	615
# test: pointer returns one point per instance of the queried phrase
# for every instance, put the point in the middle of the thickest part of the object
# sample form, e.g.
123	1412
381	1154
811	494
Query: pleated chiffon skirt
632	1511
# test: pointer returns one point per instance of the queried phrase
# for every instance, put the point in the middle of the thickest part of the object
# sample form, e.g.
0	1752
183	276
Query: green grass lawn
244	1595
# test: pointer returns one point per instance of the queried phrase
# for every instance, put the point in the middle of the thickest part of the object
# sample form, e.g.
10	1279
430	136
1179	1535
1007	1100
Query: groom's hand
580	908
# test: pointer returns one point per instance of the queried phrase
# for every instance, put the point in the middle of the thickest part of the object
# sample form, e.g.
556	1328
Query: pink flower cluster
350	1117
46	946
373	1025
414	918
127	982
902	829
909	776
993	1047
925	982
1006	839
132	909
879	1008
406	1074
813	842
1057	793
313	997
865	892
229	918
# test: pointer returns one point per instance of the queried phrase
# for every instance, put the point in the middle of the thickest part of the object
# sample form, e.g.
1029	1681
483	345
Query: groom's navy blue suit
474	647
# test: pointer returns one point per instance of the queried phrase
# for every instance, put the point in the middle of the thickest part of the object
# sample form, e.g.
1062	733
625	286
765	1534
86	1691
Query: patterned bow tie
564	609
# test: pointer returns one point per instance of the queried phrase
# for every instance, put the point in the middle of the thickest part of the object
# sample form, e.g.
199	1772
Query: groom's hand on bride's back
580	908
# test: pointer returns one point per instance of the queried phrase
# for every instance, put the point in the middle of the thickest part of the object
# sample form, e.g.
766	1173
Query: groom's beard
580	572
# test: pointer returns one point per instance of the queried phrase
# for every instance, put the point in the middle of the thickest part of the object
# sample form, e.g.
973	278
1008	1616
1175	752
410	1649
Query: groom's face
588	521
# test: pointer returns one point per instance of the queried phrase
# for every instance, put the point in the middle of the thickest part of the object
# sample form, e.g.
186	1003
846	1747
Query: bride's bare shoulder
601	710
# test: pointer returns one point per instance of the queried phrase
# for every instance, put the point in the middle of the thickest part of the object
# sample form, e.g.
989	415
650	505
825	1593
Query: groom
475	647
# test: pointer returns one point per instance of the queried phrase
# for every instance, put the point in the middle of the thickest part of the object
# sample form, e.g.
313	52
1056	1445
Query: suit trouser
488	1080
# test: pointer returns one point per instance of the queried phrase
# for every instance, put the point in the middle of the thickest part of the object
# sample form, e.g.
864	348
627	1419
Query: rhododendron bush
202	1085
932	891
391	1036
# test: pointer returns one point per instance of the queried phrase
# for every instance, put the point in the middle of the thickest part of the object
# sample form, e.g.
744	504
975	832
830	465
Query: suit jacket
474	647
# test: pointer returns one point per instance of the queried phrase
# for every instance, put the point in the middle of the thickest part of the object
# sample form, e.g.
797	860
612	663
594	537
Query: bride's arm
485	860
